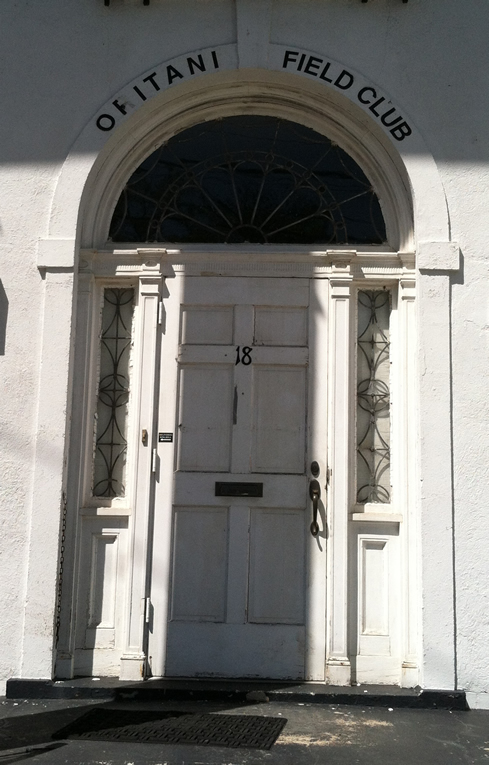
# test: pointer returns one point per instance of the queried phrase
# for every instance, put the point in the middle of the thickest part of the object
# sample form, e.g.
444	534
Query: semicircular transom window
253	179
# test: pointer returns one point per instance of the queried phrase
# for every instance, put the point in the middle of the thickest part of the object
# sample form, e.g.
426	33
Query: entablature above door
378	262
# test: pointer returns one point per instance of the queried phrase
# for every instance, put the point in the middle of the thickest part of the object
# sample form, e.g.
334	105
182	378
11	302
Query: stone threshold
235	691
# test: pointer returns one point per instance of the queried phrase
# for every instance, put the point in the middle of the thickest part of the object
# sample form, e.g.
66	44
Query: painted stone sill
114	510
375	512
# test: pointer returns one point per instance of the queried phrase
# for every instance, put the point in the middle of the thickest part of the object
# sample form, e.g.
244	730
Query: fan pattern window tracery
261	180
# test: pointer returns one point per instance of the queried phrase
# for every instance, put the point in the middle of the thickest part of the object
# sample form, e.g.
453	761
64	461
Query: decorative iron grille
113	393
373	397
251	179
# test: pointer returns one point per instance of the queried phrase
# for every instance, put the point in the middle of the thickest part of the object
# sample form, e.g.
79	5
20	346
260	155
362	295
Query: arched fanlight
254	179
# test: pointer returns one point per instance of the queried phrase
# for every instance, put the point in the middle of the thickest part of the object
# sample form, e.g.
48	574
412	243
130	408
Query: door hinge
154	457
147	610
329	473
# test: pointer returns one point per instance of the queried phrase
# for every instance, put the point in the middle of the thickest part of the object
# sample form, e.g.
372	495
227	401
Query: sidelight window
113	394
373	396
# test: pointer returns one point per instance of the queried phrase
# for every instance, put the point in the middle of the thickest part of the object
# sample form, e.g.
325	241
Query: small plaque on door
165	438
238	489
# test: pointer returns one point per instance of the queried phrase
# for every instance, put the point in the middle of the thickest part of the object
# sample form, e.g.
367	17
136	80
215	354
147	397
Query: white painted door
244	576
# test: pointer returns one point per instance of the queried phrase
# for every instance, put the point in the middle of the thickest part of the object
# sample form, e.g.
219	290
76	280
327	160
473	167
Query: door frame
88	184
342	271
240	266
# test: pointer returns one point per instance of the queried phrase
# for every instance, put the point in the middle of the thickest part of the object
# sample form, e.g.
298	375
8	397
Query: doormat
140	727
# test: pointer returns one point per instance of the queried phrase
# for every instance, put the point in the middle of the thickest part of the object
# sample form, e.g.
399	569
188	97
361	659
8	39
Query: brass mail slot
236	489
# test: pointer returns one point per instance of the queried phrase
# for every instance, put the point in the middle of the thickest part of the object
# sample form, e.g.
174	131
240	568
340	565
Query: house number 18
243	355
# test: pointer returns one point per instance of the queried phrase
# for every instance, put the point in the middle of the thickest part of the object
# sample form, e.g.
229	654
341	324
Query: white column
406	502
47	490
133	658
435	480
337	661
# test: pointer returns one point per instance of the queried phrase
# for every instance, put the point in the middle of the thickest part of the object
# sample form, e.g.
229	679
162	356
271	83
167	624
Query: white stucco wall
61	64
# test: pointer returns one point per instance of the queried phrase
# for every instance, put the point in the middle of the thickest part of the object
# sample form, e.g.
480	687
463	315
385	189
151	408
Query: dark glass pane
113	393
249	179
373	397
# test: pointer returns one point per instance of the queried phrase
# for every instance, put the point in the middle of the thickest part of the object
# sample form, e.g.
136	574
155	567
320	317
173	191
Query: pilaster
48	484
410	578
133	660
338	671
436	483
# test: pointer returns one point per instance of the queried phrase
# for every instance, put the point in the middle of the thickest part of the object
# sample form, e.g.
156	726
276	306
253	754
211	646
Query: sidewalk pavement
333	734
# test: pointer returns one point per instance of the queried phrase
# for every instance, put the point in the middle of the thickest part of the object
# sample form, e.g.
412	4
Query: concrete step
237	691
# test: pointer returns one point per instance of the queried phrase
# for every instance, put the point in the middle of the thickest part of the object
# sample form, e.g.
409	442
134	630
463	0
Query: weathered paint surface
51	91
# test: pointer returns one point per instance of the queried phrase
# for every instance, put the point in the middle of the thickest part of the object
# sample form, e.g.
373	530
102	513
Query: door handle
314	493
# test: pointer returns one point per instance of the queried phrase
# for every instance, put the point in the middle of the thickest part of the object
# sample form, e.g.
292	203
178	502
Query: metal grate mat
233	731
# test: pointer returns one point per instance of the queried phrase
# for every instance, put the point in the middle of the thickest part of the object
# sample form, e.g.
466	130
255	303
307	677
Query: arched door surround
231	94
284	299
259	93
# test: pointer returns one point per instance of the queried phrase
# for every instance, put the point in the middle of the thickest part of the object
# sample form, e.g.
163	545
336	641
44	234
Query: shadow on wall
3	318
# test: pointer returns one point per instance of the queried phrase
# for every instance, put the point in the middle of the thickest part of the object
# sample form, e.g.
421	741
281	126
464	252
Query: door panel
279	423
280	326
281	491
205	417
236	291
240	564
236	650
200	537
277	566
207	324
